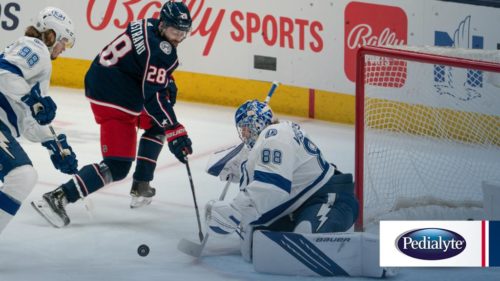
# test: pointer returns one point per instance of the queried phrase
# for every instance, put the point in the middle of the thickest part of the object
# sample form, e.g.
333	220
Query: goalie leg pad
317	254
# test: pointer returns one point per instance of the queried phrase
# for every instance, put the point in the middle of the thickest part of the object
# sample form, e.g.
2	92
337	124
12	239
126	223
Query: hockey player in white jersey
26	109
285	183
294	208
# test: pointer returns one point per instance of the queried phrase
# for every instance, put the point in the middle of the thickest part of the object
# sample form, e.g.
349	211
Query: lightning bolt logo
4	144
324	209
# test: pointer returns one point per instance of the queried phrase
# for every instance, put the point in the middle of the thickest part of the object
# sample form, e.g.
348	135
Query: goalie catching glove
178	142
64	160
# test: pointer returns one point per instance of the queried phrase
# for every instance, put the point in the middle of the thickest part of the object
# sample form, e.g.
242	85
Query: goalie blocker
318	254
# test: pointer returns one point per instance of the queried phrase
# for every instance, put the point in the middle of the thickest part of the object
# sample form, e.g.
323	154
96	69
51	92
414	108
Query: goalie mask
57	20
251	119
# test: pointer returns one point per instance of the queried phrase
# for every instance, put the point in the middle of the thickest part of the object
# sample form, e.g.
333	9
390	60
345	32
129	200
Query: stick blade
190	248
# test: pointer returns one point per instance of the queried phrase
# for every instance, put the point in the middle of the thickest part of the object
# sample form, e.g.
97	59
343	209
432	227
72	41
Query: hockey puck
143	250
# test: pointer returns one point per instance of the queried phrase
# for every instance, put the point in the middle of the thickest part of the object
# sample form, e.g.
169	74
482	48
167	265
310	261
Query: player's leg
332	209
150	146
118	145
18	176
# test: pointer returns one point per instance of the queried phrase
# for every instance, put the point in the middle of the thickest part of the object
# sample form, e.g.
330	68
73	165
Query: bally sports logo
374	25
431	243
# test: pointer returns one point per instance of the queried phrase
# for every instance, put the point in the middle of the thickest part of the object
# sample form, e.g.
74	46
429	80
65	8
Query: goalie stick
271	91
192	248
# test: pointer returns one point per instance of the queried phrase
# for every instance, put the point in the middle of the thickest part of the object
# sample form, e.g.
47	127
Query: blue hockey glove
172	91
179	142
64	160
43	109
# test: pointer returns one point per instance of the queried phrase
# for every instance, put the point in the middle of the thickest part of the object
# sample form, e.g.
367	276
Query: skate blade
140	201
42	208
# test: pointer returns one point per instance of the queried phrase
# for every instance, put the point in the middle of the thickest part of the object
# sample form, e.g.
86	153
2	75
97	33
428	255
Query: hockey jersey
133	71
22	64
283	169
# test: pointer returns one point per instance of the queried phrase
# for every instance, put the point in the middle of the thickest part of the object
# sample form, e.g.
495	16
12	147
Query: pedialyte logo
431	243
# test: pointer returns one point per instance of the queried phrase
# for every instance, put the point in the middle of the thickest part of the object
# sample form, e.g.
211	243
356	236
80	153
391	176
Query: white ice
103	245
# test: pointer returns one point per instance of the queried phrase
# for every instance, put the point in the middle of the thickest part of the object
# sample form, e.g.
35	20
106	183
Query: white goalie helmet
57	20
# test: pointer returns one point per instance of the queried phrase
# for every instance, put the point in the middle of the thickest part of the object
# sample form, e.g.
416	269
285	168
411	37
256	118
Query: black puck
143	250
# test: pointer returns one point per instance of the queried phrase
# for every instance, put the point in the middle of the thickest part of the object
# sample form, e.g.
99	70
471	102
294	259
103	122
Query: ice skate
51	207
142	194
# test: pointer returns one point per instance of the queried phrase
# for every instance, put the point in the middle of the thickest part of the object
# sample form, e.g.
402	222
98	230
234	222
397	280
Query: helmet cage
251	119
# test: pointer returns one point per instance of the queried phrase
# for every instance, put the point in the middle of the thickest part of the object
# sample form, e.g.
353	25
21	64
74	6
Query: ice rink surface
103	245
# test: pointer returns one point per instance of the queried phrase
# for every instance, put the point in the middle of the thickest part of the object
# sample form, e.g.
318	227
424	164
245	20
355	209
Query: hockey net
427	132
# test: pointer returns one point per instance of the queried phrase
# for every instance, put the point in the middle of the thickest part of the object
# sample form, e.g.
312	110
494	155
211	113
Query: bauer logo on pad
439	243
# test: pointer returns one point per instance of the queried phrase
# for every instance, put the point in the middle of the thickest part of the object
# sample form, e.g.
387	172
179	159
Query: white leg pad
317	254
18	184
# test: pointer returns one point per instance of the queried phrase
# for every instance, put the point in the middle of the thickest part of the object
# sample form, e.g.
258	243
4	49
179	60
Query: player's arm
159	108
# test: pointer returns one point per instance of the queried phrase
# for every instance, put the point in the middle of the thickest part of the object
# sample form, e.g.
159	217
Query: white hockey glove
221	217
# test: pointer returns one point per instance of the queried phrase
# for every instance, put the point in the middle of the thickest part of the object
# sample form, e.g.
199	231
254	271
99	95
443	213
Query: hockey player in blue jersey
285	183
26	108
131	75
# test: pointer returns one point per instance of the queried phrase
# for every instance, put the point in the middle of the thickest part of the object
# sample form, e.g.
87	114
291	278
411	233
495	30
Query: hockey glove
221	217
179	142
43	109
64	160
172	91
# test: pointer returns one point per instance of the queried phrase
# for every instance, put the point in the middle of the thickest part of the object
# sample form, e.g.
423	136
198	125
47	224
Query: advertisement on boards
310	44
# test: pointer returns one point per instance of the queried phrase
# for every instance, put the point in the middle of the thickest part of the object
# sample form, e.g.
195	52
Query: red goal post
390	68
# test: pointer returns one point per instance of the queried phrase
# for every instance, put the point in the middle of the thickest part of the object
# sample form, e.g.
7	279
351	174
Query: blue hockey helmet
251	119
176	14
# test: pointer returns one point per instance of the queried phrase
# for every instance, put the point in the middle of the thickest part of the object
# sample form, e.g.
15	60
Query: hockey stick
200	233
86	201
192	248
271	91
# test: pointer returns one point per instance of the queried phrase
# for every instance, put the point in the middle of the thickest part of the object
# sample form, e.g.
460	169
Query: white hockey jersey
283	169
22	65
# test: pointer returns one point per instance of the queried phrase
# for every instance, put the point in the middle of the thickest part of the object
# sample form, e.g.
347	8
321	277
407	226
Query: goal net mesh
431	133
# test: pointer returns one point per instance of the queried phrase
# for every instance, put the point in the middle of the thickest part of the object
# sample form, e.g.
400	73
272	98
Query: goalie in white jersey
26	109
285	183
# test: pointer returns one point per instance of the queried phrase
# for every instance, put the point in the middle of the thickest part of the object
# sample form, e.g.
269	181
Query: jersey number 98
31	57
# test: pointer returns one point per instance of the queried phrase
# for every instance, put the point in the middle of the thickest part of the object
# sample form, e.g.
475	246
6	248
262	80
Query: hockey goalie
294	209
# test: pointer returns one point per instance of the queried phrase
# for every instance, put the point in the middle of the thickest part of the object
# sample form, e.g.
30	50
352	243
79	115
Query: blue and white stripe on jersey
274	179
294	202
4	103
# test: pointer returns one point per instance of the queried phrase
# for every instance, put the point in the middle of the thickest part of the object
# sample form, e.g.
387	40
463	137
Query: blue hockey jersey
133	71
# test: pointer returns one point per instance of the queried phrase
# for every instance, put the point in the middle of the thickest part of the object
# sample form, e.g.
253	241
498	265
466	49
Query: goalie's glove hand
221	217
178	142
172	91
43	109
64	160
